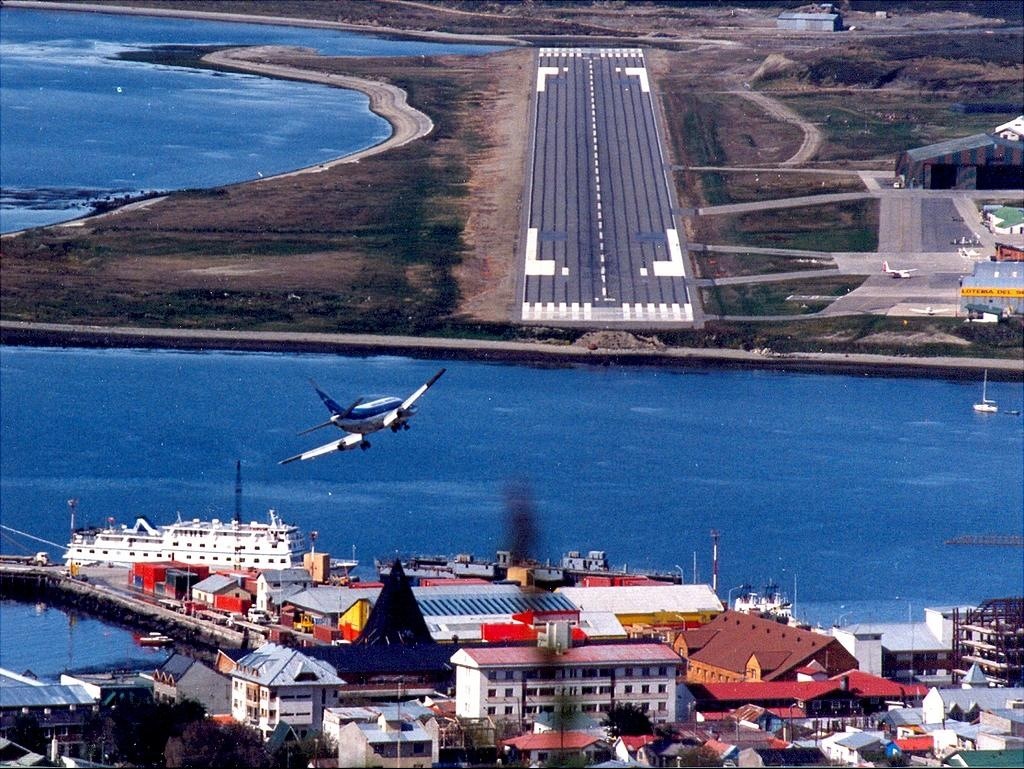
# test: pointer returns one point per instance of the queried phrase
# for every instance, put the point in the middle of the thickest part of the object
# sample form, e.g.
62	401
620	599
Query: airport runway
600	242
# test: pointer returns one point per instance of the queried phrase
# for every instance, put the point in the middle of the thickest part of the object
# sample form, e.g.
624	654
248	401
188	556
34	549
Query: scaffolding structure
991	637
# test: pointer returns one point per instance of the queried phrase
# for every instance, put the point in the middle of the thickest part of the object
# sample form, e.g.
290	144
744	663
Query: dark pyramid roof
396	617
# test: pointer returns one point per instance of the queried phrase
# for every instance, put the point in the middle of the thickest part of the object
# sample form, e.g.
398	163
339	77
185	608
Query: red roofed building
916	746
851	694
556	748
743	647
518	682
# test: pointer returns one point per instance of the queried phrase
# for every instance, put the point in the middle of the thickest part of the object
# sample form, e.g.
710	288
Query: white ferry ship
227	544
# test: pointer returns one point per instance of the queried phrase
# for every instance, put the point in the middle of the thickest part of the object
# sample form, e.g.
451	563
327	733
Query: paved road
600	241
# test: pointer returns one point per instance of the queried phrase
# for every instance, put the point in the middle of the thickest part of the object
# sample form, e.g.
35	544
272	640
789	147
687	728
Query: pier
993	540
98	598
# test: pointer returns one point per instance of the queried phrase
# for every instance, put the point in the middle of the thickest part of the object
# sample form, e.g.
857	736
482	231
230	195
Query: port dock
93	592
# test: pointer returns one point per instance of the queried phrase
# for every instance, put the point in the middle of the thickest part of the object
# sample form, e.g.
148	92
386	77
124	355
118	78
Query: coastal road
599	238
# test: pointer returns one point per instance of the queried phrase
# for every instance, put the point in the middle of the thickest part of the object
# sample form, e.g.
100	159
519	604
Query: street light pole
682	577
731	591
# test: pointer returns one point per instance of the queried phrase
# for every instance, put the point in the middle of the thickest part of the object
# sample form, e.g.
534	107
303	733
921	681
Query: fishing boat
985	406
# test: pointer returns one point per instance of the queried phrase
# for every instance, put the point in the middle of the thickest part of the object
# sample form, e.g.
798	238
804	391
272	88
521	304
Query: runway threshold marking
641	72
542	75
674	267
535	266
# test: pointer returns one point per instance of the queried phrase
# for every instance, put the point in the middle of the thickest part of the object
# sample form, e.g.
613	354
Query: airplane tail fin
329	402
885	266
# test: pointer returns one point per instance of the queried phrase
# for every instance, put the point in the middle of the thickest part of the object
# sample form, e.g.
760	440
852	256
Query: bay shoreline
407	125
16	333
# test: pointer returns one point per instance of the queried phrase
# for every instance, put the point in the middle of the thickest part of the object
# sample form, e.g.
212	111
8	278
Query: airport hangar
982	161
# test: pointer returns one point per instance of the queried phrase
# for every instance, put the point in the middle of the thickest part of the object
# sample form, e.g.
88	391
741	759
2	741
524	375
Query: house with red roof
853	693
743	647
555	748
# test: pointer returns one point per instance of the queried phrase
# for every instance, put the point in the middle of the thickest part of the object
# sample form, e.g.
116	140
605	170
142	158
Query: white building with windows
520	682
275	684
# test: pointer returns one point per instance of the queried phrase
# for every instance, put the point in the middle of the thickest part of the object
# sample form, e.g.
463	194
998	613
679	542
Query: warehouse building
982	161
995	288
809	22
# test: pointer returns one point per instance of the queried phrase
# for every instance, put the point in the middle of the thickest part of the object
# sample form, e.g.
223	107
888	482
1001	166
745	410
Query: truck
42	558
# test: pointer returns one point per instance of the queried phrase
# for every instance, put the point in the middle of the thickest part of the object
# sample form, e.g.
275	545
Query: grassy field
720	264
843	226
886	124
877	334
725	187
371	246
789	297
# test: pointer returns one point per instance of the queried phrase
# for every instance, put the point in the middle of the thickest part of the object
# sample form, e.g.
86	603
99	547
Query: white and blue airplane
364	416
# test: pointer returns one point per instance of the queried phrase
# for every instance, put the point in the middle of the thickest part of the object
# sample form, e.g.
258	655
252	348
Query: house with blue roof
61	710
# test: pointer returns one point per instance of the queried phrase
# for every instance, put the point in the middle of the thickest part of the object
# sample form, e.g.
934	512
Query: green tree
207	744
698	757
139	733
28	733
627	719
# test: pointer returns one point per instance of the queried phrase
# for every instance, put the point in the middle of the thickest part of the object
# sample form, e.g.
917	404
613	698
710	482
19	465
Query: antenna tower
238	491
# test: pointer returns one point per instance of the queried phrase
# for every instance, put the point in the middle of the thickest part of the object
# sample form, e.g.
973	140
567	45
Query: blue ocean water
843	487
78	124
48	642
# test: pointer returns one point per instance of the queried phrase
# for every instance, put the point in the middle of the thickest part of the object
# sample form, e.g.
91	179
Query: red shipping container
440	582
326	633
371	585
593	581
232	603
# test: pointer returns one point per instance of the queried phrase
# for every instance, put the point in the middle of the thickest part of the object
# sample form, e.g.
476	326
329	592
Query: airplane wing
407	403
350	441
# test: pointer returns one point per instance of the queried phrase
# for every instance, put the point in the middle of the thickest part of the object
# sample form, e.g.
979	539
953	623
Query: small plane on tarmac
363	417
895	272
929	310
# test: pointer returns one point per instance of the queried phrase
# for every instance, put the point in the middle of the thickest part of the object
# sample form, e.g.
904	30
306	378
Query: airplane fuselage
368	417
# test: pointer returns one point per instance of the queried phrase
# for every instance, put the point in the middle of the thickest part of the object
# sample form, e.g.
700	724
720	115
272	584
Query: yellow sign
1008	293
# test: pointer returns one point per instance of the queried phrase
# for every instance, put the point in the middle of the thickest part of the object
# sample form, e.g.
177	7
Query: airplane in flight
896	273
363	417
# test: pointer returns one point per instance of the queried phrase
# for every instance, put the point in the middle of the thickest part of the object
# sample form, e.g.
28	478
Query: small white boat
985	406
154	639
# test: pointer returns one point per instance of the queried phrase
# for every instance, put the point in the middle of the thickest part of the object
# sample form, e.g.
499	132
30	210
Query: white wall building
275	683
389	735
517	683
1014	130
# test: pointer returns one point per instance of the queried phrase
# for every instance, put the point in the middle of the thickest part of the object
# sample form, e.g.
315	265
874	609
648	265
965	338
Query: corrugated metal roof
959	145
799	16
902	636
643	599
995	275
49	695
214	583
273	665
330	599
489	603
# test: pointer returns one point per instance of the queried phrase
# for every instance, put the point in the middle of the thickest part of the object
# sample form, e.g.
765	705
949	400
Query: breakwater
198	637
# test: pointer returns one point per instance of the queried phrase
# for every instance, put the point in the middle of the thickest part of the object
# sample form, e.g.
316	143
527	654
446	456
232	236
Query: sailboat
986	406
